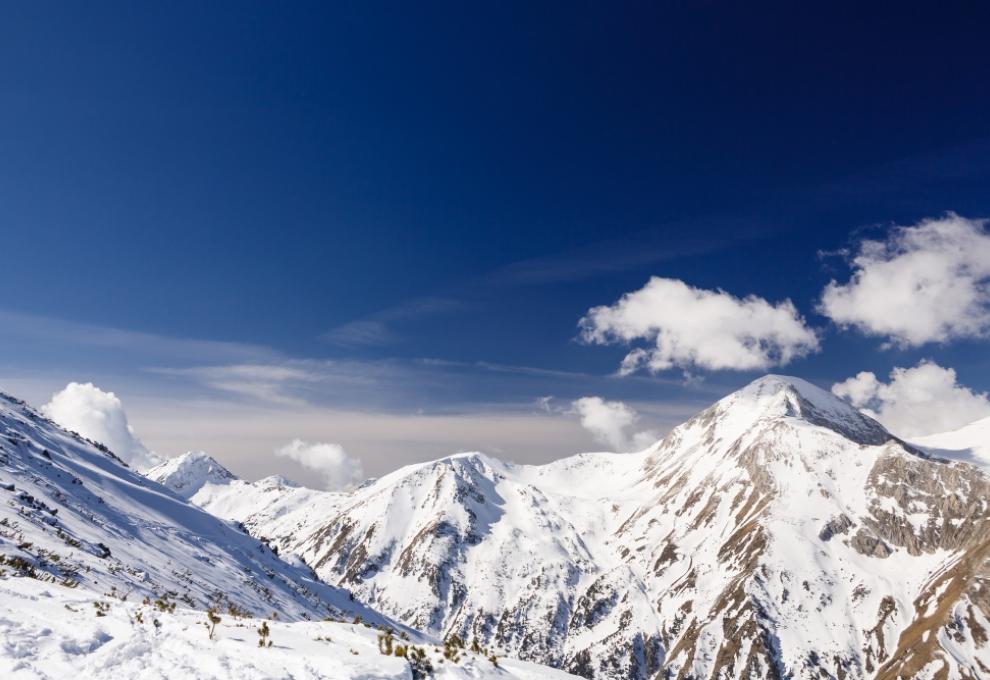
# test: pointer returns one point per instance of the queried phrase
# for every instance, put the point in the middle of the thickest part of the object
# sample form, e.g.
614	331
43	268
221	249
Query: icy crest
190	472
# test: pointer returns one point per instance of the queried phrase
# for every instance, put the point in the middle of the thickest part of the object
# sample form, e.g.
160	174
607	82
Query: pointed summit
190	472
776	397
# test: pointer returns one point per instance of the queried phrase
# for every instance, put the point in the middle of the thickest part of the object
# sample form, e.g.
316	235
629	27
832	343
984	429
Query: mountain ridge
778	533
74	513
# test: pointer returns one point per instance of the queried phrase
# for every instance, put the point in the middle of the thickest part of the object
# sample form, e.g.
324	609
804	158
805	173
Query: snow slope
49	631
780	533
71	512
970	444
187	474
105	573
273	506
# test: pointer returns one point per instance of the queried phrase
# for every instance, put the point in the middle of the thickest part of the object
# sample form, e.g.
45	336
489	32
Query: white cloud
545	404
692	327
338	469
99	415
917	401
609	422
926	283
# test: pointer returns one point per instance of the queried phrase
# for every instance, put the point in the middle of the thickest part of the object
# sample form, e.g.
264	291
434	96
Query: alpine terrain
780	533
106	573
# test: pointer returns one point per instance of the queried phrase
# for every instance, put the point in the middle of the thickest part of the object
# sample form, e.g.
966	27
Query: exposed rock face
778	534
867	543
840	524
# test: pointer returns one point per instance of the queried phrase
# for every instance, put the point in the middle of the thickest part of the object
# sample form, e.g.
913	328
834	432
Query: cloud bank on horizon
928	283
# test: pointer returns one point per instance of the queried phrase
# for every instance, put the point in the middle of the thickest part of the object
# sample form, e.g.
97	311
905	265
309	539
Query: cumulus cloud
99	415
610	422
339	470
691	327
916	401
925	283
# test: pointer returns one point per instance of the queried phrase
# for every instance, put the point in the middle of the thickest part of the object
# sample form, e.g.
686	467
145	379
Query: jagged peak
772	385
777	397
188	473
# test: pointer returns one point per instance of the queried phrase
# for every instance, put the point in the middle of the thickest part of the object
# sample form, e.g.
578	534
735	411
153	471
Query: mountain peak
277	482
190	472
772	384
775	397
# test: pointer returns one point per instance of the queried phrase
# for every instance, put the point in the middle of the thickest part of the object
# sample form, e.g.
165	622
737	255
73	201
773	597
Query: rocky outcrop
840	524
867	543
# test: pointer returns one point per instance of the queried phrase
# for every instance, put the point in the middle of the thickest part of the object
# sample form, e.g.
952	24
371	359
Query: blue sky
394	214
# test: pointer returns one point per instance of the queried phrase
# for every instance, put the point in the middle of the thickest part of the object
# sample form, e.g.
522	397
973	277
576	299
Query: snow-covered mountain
270	507
106	573
73	513
190	472
779	533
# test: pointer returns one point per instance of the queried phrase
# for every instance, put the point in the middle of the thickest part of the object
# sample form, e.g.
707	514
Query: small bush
212	619
236	612
164	605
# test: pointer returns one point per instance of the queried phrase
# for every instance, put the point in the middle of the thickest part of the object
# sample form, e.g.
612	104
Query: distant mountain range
780	533
105	573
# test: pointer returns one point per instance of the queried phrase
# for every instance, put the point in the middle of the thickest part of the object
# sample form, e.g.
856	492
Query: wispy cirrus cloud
17	326
647	247
240	402
274	383
379	329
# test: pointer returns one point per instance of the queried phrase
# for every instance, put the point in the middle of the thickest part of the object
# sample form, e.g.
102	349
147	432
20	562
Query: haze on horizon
328	241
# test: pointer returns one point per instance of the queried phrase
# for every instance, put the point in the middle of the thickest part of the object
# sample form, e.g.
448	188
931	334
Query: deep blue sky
466	179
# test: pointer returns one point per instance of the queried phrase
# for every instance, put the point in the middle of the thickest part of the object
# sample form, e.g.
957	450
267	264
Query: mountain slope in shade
270	507
778	534
72	513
